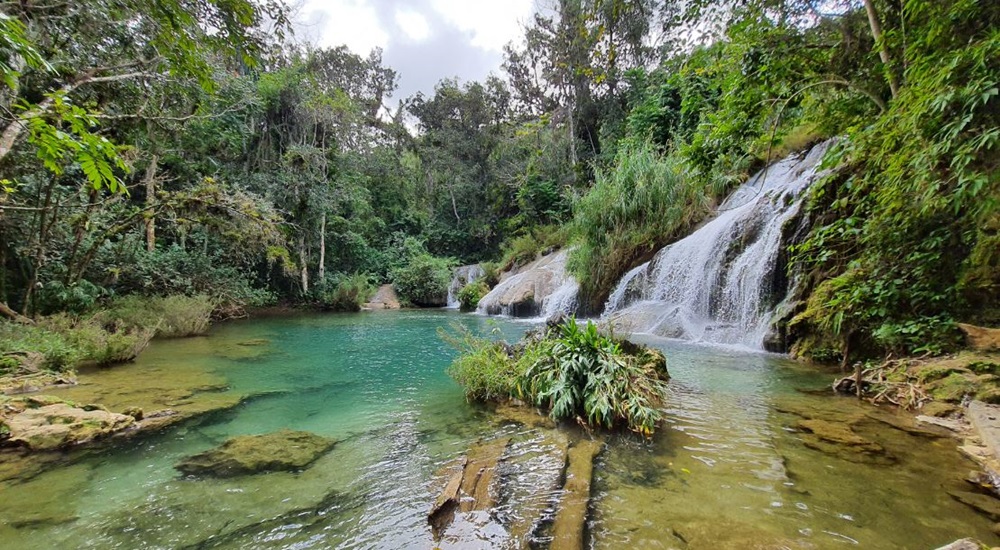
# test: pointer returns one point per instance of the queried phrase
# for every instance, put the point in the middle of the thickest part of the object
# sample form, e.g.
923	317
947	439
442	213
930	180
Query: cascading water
463	275
720	284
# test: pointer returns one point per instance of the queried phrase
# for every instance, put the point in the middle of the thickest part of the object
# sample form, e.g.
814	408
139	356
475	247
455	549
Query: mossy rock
841	441
931	373
285	450
952	388
984	367
938	409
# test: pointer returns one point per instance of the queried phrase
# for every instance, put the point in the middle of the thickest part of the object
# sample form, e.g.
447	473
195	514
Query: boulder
523	293
285	450
964	544
59	425
385	298
981	338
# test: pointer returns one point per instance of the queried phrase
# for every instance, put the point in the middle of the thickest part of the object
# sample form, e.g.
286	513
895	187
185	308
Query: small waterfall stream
720	284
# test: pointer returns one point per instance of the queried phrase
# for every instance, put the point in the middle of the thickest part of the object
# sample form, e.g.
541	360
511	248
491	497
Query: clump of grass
169	317
643	202
574	371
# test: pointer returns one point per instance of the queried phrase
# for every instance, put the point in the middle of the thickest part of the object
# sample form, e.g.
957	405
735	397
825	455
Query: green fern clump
572	370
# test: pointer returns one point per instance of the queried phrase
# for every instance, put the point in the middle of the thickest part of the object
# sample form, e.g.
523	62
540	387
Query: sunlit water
725	471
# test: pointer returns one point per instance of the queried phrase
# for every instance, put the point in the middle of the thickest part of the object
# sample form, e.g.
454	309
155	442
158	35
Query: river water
729	468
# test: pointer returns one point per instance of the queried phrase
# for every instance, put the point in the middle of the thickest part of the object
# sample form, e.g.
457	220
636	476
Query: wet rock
285	450
981	338
953	425
841	441
929	427
521	294
470	486
525	415
937	408
987	505
134	412
48	425
571	520
964	544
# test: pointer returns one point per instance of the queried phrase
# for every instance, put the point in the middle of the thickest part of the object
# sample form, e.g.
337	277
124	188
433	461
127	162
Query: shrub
523	249
471	293
574	371
169	317
642	203
55	351
346	292
483	368
424	280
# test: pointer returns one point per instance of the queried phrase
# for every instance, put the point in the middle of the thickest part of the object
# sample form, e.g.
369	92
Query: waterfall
720	284
463	275
541	288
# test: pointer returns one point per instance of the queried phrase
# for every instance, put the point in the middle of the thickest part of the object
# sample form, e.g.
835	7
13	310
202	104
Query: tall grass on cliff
645	200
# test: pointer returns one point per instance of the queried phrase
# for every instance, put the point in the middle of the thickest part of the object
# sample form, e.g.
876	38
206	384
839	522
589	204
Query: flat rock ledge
42	423
285	450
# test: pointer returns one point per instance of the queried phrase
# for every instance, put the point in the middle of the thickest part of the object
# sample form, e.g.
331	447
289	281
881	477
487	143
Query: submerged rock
43	423
570	524
841	441
285	450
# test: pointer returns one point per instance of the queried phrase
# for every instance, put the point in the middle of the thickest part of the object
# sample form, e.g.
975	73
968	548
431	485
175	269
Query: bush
471	293
169	317
483	368
574	371
523	249
642	203
346	292
55	352
424	280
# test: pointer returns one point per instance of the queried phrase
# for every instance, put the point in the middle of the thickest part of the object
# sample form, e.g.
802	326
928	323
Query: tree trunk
15	315
322	249
883	52
150	203
304	263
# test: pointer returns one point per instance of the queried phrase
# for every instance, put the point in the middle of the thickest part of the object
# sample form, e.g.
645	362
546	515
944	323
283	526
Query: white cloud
351	22
413	24
492	24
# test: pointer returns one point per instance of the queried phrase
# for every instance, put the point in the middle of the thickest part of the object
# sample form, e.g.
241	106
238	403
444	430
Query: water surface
726	471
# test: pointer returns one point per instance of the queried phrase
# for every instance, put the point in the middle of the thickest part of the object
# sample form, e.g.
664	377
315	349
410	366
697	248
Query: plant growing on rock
574	371
471	293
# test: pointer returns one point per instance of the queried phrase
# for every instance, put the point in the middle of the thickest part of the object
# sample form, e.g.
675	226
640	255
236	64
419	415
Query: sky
423	40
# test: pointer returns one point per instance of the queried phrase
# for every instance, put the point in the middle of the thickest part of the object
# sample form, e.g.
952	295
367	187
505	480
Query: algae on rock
285	450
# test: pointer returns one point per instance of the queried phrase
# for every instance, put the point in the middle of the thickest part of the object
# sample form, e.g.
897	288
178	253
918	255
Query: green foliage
424	280
573	370
174	316
471	293
584	373
645	201
345	292
906	224
56	353
483	367
524	249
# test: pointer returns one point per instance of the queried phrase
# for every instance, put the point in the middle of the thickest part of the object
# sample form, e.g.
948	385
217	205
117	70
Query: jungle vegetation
195	148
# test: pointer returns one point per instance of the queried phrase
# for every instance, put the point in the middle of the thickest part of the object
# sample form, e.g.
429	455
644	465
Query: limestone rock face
285	450
385	298
542	287
981	338
59	425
